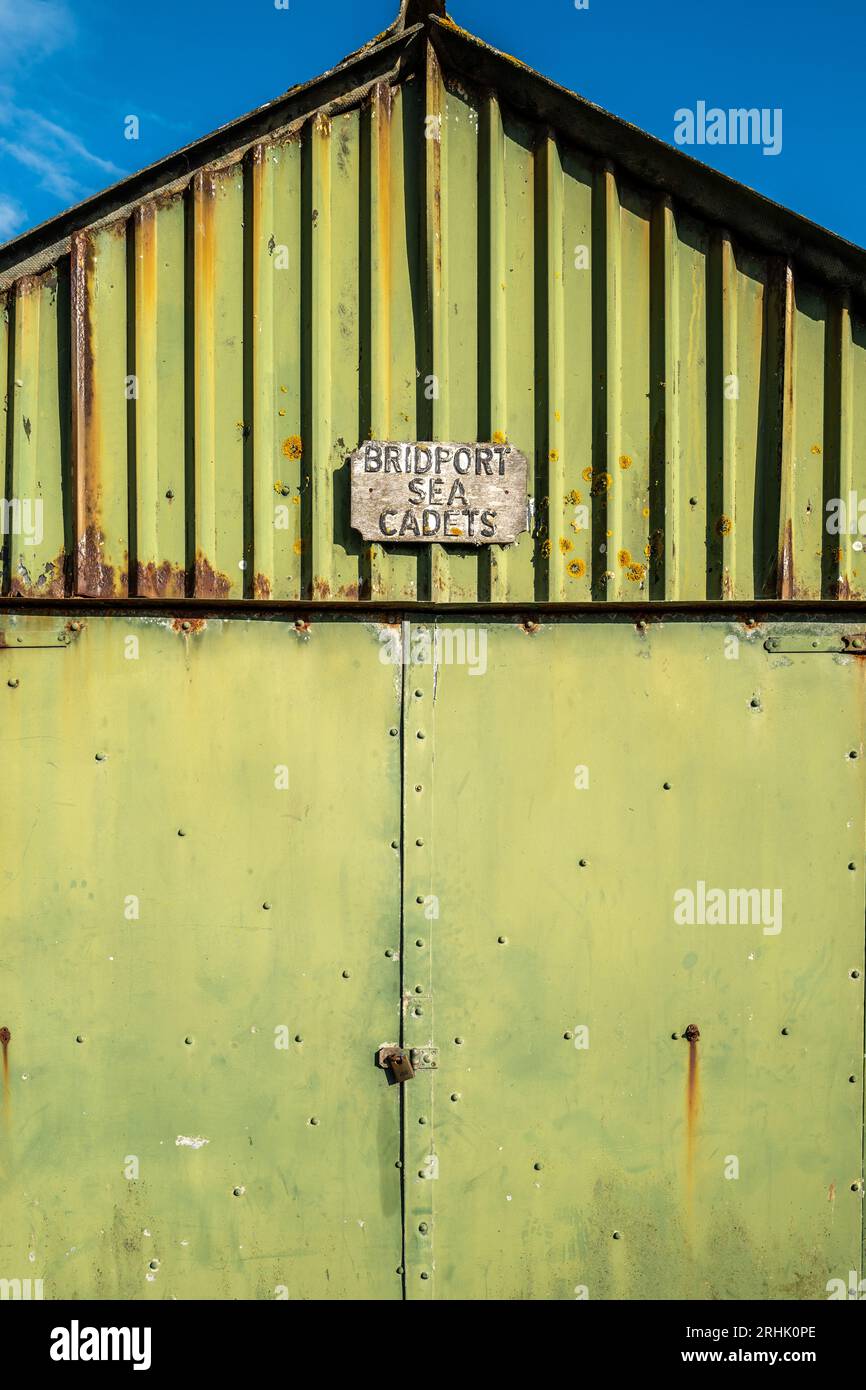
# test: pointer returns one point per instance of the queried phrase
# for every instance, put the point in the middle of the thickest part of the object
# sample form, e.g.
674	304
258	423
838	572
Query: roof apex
418	12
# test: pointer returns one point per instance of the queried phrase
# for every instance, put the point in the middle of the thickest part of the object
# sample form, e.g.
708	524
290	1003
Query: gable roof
399	50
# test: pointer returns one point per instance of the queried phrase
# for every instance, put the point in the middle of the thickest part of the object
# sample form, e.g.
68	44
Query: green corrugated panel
426	265
160	399
277	347
222	507
99	403
40	436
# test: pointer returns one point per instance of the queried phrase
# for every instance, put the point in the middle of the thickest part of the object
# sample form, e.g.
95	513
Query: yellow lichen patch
292	447
278	487
545	548
282	412
624	557
573	497
587	475
645	511
298	546
816	448
575	526
600	483
284	389
556	415
498	437
625	461
577	569
296	501
565	545
724	526
553	455
636	573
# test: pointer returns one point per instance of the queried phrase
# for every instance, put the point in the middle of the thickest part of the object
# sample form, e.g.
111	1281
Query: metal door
199	932
629	1097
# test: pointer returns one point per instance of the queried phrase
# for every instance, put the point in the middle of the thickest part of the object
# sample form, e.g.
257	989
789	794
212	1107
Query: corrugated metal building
296	282
259	821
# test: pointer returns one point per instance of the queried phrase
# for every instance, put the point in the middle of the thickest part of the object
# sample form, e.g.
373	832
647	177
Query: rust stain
786	563
261	586
185	626
831	1195
5	1039
160	581
693	1100
321	588
210	583
49	583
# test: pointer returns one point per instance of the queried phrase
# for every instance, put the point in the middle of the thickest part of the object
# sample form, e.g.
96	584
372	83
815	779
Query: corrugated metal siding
412	269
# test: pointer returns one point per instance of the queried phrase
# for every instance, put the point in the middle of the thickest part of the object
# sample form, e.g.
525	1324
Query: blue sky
71	71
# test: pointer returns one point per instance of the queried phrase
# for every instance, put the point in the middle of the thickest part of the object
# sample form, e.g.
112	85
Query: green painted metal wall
425	264
239	856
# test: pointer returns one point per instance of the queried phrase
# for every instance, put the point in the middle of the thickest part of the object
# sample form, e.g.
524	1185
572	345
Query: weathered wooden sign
462	494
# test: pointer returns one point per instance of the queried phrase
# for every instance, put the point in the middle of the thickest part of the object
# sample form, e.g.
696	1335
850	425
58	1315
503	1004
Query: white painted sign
458	494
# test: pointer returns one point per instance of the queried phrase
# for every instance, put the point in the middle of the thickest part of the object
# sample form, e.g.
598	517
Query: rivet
583	863
503	940
181	833
154	1264
538	1167
419	989
314	1119
693	501
458	1041
784	1032
13	684
455	1096
266	907
238	1191
188	1041
395	844
855	1187
399	1269
347	974
420	734
418	787
852	866
424	1274
853	1080
170	495
418	694
419	941
389	953
666	786
423	1228
75	627
853	753
185	626
419	899
79	1038
298	1038
617	1236
419	843
567	1035
418	1012
755	703
422	1119
393	733
855	974
398	1164
675	1036
100	757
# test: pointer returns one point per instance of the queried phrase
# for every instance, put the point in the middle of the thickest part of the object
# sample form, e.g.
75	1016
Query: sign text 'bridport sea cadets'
464	494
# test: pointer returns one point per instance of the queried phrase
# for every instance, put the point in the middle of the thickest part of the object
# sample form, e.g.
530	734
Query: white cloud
32	29
61	159
12	216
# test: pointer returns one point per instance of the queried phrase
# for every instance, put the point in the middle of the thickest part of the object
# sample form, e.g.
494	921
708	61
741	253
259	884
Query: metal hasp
395	1061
